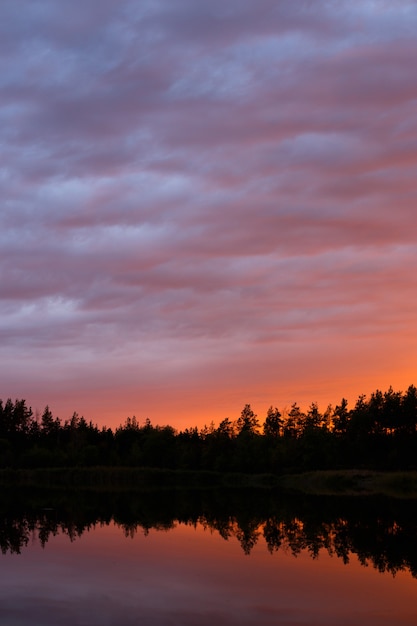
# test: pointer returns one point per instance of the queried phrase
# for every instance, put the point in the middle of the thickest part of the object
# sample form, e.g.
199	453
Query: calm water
189	560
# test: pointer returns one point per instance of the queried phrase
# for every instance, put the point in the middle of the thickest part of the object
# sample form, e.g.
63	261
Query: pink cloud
216	203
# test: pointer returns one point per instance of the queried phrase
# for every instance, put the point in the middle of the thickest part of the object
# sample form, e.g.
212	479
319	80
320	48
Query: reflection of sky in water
187	577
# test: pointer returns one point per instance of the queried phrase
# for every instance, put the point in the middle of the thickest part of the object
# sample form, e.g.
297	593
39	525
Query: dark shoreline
353	482
131	479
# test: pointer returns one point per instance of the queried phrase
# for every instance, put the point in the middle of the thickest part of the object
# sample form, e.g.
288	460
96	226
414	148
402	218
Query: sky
206	204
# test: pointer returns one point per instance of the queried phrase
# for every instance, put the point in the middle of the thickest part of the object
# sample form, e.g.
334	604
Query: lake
223	558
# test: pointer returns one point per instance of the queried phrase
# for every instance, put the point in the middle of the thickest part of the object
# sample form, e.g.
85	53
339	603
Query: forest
378	432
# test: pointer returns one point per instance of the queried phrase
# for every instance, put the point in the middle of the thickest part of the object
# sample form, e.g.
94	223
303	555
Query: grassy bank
353	482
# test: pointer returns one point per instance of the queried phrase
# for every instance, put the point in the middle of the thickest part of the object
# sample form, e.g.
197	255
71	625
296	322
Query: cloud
180	178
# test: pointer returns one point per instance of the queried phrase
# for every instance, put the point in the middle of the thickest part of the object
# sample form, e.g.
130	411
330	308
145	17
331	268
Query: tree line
378	432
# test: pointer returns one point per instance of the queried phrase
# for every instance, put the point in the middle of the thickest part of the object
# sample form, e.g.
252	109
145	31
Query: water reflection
380	532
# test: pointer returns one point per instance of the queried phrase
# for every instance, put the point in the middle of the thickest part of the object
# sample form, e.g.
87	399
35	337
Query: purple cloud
209	195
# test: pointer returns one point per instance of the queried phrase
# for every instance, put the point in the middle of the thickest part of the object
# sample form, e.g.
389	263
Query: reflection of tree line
378	531
378	432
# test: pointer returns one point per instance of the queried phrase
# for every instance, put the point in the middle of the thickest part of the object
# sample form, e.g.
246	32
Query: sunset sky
206	204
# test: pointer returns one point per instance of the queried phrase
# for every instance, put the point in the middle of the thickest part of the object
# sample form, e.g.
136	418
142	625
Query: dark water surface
222	558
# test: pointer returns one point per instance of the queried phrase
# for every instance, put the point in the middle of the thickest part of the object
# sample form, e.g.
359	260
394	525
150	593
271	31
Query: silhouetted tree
293	422
341	418
313	418
247	421
273	423
225	429
408	419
